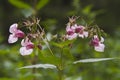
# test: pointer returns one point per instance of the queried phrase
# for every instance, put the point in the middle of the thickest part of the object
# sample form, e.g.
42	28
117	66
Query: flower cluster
27	45
33	37
76	30
73	30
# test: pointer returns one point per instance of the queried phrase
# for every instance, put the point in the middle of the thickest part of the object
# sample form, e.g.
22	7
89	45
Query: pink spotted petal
74	27
30	46
83	35
19	34
70	37
68	28
24	51
12	38
100	48
13	28
102	39
25	42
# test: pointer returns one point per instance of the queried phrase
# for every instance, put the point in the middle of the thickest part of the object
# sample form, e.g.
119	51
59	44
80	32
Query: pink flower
80	30
15	33
27	47
98	44
70	33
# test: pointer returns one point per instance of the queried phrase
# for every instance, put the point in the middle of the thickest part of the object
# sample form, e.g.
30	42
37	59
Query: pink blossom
27	47
80	30
15	33
98	44
70	33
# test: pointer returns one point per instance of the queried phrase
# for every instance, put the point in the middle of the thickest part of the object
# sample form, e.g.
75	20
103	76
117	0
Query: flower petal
70	37
67	28
19	33
13	28
74	27
100	48
85	34
25	42
95	36
102	39
24	51
81	35
12	38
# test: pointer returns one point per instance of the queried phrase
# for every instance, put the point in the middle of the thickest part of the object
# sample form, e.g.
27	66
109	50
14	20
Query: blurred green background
54	16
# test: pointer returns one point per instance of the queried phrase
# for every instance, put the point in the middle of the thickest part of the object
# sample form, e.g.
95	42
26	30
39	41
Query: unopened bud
39	46
70	45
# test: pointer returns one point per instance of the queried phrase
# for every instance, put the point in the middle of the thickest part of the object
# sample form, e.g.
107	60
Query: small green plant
35	38
35	42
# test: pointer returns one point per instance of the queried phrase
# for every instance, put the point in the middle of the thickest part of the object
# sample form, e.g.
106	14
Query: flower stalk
33	62
61	66
34	70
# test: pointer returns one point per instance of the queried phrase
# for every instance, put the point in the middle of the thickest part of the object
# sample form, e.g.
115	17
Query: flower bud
39	46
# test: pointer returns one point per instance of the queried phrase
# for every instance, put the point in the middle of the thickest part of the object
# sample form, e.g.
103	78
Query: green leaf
46	58
27	12
56	44
62	44
44	66
66	43
76	4
87	9
41	4
67	54
92	60
19	4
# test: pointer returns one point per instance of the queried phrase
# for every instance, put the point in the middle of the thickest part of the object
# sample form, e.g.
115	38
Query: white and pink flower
27	47
15	33
80	30
98	44
74	31
70	33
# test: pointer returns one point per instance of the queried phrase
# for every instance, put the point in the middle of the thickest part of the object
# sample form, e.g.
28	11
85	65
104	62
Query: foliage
20	4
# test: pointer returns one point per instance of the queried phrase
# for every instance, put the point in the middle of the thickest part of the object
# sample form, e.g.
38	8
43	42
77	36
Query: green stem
47	44
60	73
34	61
34	70
60	66
45	40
